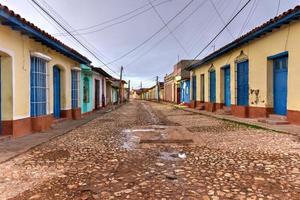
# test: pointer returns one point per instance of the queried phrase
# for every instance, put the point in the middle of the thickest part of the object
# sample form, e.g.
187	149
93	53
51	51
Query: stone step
200	106
274	121
224	111
277	117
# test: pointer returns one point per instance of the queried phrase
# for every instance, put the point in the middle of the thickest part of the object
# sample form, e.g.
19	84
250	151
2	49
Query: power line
212	21
153	35
221	18
114	24
65	29
161	40
278	7
70	28
170	31
221	31
249	16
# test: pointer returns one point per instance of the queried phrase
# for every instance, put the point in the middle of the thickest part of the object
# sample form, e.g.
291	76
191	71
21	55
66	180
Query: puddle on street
172	156
148	137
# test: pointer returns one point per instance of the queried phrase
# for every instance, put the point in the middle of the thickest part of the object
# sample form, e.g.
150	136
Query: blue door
227	94
280	85
242	83
212	86
56	92
185	91
194	94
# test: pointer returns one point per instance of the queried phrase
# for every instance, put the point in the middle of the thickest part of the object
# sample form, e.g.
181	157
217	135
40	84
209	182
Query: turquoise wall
86	89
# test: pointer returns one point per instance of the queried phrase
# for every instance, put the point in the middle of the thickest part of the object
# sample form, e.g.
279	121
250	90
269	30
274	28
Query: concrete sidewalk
288	129
14	147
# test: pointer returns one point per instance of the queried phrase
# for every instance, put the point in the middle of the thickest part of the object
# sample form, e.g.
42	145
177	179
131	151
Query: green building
86	83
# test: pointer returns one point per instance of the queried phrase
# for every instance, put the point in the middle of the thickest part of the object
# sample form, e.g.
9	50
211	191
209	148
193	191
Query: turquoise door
56	92
212	86
280	85
242	84
227	94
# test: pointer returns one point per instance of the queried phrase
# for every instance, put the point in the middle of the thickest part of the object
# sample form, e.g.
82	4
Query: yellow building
256	75
39	77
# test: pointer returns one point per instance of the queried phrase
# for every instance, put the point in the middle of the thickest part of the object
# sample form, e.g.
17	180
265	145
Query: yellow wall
284	39
18	47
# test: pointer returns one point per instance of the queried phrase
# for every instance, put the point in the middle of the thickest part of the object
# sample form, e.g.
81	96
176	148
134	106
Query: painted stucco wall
86	106
115	94
260	69
16	49
102	87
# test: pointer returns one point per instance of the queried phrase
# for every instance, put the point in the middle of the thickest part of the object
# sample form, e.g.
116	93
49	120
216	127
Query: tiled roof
15	21
277	22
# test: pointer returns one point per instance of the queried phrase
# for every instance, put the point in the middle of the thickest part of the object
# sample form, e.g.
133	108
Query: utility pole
120	85
141	84
157	85
128	90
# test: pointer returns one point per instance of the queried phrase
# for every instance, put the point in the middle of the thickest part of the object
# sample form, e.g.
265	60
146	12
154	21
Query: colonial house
169	88
87	88
255	76
99	80
39	77
177	84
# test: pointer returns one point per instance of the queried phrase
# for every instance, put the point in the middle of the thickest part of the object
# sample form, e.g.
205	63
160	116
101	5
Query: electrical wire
153	35
170	31
70	28
222	30
221	18
116	23
65	29
166	36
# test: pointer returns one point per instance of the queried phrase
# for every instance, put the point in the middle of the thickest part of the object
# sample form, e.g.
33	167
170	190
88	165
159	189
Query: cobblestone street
146	150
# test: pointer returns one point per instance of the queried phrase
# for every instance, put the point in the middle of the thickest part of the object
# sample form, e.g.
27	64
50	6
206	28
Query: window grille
39	90
75	88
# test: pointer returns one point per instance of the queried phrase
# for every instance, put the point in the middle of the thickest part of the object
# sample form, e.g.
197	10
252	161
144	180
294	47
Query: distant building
177	84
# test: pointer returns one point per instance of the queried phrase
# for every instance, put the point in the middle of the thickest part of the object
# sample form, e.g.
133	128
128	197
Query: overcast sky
115	27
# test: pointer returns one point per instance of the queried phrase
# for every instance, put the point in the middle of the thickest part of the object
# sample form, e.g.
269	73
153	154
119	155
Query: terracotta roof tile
24	21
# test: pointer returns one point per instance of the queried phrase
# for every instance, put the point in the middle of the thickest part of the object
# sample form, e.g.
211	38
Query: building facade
169	88
87	88
39	77
255	75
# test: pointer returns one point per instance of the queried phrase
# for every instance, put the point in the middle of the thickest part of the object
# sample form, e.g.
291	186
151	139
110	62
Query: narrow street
146	150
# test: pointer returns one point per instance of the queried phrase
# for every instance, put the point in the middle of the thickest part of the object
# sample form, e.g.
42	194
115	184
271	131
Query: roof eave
17	25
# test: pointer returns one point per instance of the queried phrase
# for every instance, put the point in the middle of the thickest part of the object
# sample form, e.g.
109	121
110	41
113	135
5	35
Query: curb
59	135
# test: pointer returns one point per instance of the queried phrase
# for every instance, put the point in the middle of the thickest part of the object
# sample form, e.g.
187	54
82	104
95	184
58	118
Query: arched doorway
6	94
56	92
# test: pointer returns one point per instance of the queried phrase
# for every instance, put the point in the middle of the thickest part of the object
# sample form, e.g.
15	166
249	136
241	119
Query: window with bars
75	88
38	87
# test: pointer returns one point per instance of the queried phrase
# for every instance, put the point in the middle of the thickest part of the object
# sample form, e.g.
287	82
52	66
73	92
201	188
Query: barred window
75	88
38	87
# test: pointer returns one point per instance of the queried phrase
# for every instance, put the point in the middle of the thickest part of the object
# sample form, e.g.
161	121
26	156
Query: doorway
56	93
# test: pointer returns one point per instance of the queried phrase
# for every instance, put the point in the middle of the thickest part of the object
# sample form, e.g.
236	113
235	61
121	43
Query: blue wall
185	91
